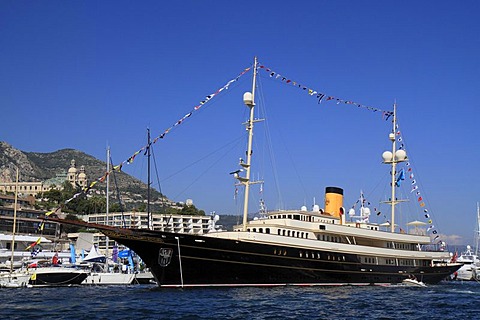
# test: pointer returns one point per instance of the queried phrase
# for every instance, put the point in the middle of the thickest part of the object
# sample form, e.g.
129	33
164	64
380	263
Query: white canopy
94	255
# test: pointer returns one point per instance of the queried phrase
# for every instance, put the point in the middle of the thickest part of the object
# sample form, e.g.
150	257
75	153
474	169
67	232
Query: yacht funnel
333	201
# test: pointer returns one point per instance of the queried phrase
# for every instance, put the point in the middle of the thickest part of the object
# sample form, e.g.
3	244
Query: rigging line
118	194
205	171
203	158
185	117
156	170
435	222
269	144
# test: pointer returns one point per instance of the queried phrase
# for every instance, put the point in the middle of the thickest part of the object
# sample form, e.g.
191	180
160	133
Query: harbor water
448	300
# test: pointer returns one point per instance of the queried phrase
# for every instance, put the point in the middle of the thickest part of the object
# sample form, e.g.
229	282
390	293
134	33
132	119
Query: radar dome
351	212
303	208
316	208
248	98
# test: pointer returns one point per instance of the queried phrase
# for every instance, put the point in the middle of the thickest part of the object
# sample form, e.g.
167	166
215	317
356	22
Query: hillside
35	166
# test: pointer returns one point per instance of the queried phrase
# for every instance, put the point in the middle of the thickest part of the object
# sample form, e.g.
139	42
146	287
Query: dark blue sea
449	300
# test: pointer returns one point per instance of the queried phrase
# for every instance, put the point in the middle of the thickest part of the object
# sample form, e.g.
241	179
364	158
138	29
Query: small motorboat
413	282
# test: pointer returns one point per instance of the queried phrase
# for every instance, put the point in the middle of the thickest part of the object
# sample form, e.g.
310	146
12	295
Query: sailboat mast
477	234
394	166
14	221
107	198
148	180
251	105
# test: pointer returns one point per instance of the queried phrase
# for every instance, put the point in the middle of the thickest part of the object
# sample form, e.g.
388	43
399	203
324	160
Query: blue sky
86	74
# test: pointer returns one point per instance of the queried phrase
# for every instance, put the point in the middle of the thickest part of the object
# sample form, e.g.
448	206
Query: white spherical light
400	155
387	156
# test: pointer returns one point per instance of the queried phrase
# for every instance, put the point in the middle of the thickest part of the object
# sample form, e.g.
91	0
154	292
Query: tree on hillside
192	211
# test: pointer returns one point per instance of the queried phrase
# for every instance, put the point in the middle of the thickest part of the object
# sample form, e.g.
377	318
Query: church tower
82	177
72	174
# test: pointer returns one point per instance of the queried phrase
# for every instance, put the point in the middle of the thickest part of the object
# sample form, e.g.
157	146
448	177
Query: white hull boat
14	280
109	278
413	283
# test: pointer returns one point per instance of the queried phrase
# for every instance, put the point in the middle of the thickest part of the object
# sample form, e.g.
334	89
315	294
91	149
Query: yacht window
267	230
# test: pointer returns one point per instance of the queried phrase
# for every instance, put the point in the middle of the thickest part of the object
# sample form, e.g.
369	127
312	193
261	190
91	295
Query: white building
161	222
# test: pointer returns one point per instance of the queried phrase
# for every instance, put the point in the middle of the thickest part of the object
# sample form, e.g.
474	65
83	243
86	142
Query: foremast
392	158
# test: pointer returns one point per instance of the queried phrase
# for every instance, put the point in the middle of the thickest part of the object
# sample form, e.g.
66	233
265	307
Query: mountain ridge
38	166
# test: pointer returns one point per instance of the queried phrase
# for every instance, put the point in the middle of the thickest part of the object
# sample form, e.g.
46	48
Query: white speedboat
413	282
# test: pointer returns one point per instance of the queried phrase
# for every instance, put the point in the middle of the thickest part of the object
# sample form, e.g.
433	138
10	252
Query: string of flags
144	148
408	171
177	123
320	96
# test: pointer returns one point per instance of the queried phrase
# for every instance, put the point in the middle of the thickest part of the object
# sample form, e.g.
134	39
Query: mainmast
249	100
392	158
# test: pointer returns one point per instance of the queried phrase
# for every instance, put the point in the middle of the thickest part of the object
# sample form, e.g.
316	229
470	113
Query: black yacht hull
191	260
